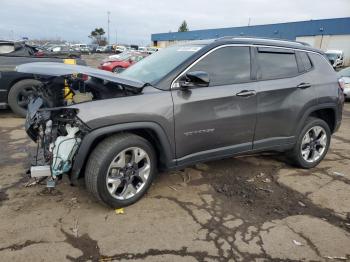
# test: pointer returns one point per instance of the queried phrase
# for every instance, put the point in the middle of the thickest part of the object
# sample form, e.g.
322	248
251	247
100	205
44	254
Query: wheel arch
151	131
326	112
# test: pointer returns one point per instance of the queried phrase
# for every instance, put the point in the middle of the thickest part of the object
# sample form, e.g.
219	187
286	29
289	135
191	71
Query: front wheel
312	144
121	169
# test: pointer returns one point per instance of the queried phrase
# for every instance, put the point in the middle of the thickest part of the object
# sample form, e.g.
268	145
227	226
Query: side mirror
194	79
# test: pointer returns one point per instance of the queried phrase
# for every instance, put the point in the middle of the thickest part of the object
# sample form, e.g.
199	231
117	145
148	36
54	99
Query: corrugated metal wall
336	26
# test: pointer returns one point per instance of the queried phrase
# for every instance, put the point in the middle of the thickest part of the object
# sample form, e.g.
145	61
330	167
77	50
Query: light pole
108	13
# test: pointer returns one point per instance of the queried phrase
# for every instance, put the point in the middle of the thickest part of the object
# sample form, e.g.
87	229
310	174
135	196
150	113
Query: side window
305	61
276	63
226	65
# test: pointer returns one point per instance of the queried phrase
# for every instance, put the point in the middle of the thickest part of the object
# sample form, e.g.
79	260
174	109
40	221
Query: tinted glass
277	65
306	61
227	65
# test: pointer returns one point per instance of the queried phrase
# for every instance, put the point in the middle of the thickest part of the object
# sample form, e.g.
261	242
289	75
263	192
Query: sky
133	21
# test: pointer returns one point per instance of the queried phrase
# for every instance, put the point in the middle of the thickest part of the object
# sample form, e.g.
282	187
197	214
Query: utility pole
108	13
116	37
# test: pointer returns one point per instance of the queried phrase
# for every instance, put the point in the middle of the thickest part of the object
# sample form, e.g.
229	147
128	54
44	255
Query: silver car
345	75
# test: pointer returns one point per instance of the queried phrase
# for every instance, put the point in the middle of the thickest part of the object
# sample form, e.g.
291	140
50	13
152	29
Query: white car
120	48
335	57
100	49
345	75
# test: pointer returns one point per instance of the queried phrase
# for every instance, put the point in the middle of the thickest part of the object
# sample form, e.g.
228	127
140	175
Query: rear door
220	118
285	89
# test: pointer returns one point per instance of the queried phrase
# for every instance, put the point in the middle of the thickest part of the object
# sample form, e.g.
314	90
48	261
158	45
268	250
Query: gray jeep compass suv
185	104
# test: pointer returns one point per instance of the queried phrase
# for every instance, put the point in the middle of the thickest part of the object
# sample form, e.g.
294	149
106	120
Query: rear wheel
18	97
121	169
313	143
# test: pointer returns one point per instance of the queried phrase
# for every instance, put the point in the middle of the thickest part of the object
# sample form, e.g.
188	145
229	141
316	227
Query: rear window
305	61
276	63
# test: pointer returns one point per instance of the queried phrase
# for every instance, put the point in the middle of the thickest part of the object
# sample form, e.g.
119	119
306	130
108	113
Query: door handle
246	93
304	85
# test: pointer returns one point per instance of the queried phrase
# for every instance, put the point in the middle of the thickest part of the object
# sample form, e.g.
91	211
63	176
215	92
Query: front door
218	119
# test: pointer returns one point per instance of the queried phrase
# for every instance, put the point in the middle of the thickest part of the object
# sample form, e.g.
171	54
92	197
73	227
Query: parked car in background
142	49
120	49
335	57
15	87
100	49
61	51
119	63
345	75
105	49
83	48
92	48
188	103
152	50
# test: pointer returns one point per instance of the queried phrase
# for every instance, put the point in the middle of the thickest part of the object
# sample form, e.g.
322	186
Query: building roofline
290	30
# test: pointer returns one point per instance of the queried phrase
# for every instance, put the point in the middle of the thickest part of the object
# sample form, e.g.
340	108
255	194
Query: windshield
159	64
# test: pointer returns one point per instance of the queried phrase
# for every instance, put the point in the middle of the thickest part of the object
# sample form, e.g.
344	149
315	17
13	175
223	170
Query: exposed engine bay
52	120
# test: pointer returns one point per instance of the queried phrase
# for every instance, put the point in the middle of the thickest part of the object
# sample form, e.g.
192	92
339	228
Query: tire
313	158
18	93
118	69
98	170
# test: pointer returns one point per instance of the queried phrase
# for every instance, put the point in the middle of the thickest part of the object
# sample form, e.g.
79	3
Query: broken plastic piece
40	171
338	174
119	211
297	243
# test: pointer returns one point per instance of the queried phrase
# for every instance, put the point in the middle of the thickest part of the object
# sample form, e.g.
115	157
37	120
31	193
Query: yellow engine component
68	95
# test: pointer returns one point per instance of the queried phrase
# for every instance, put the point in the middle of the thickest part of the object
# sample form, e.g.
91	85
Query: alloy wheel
128	173
314	143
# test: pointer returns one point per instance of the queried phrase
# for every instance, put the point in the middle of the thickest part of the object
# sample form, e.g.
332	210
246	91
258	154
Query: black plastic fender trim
88	140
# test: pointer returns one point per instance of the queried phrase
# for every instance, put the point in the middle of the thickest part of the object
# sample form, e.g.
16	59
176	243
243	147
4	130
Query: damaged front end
58	133
53	122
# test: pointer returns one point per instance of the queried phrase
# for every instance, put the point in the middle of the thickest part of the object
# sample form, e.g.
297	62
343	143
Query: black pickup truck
15	87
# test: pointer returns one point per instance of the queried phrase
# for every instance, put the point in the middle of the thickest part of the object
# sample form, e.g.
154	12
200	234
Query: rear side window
305	60
226	65
276	63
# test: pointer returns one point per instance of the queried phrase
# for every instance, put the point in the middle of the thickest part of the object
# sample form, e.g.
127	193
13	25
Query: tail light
341	83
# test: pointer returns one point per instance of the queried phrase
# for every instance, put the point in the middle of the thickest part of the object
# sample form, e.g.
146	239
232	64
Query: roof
291	30
253	41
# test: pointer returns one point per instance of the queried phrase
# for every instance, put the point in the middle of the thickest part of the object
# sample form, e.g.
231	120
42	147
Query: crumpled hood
59	69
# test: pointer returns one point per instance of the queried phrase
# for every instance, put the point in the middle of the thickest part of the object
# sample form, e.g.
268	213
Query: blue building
326	34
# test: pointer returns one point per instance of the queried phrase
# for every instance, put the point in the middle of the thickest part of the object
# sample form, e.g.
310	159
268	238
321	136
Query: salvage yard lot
252	208
241	208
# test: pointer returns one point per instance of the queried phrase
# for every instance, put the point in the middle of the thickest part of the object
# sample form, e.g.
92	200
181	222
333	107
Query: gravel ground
252	208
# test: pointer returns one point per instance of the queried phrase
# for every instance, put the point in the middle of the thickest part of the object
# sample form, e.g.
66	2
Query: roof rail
262	38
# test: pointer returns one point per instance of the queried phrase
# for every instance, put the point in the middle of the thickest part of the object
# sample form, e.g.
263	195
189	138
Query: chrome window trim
176	85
